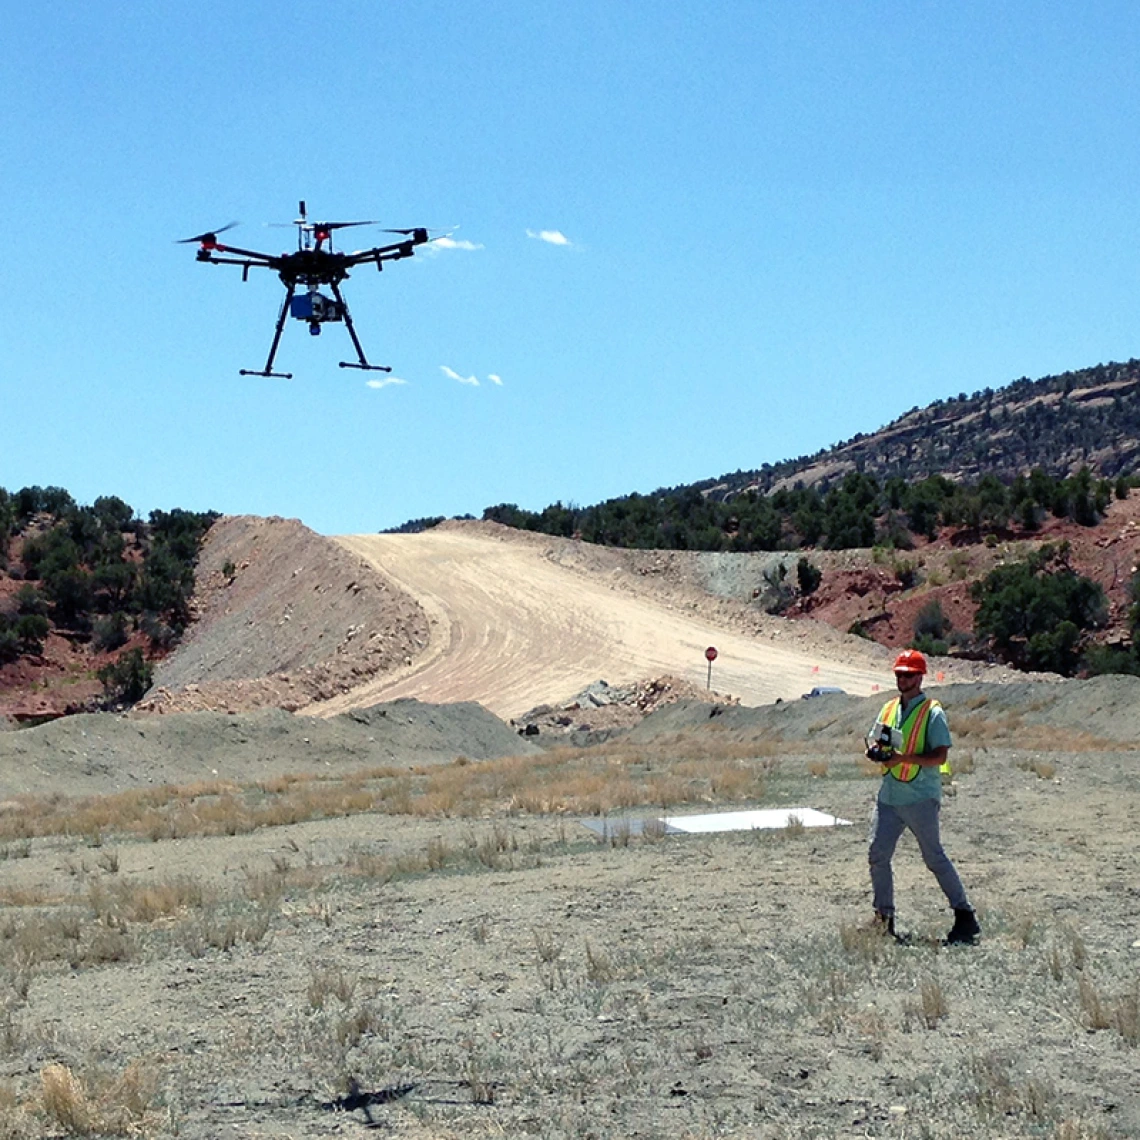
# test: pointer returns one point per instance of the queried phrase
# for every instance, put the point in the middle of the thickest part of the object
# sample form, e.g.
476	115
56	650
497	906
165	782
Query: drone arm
266	258
246	263
394	252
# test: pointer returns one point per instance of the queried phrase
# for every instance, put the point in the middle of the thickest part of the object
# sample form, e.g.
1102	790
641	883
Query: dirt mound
518	620
96	754
1098	712
477	611
284	617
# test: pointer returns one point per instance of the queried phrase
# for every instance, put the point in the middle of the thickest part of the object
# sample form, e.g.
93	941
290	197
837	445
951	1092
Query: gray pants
887	824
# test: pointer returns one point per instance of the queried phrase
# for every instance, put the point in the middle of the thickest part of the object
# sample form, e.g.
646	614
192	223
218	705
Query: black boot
885	923
965	929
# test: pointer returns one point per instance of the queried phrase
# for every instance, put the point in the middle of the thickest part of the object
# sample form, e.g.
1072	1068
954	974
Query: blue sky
774	225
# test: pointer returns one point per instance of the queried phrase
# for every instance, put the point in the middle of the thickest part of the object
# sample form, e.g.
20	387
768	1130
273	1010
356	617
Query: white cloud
451	243
384	382
451	374
495	379
551	237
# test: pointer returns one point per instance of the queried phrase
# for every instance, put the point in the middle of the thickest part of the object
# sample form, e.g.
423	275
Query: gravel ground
480	970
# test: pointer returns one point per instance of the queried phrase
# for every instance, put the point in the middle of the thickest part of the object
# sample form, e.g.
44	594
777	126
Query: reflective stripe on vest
913	731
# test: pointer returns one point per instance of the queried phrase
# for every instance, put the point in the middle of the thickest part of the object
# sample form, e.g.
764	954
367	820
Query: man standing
911	740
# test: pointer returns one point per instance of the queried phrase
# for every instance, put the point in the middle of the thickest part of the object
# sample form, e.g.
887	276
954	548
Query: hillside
1059	424
905	518
90	598
893	535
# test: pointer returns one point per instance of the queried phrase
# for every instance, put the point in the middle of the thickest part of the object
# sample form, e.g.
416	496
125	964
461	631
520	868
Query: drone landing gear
331	312
268	369
363	364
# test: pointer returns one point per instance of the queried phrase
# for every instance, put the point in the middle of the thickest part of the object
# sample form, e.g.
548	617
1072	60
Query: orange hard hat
910	661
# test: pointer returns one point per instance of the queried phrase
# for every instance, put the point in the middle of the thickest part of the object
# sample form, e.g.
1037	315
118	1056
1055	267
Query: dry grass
99	1105
603	1013
1042	769
715	767
147	901
931	1006
866	942
583	781
962	763
1121	1012
330	982
527	1013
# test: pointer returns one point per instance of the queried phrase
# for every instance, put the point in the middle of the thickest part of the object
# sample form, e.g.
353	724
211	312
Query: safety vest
913	731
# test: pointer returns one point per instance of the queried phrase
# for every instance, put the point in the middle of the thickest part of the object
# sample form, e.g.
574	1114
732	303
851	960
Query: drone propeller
209	237
332	225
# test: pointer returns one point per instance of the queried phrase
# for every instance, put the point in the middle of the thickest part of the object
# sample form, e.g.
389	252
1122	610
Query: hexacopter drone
314	264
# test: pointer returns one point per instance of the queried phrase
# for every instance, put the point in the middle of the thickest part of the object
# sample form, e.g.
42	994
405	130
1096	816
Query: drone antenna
302	226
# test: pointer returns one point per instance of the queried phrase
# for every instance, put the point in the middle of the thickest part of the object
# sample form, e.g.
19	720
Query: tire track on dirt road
511	629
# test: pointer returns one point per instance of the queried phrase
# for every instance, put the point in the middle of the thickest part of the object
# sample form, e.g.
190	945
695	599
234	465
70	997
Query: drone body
314	264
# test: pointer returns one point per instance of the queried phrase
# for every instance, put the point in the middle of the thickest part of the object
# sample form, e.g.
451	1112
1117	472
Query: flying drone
314	264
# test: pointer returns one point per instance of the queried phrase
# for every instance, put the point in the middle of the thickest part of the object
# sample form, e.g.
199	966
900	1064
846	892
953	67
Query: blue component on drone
315	307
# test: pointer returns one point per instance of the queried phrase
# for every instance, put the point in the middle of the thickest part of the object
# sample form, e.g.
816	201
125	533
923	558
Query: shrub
31	630
110	632
9	643
906	572
29	600
931	646
808	576
161	634
1035	612
1100	659
128	678
931	622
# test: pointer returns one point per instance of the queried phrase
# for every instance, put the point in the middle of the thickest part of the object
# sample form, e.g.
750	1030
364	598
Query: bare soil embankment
283	617
520	619
475	611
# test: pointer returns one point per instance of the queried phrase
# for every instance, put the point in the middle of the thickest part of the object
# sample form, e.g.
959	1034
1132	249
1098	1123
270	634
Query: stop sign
710	653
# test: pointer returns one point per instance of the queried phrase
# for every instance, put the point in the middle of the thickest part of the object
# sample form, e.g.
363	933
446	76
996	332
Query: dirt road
510	629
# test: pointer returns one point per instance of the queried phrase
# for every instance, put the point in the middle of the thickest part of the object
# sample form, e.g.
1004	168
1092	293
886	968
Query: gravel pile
602	710
97	754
